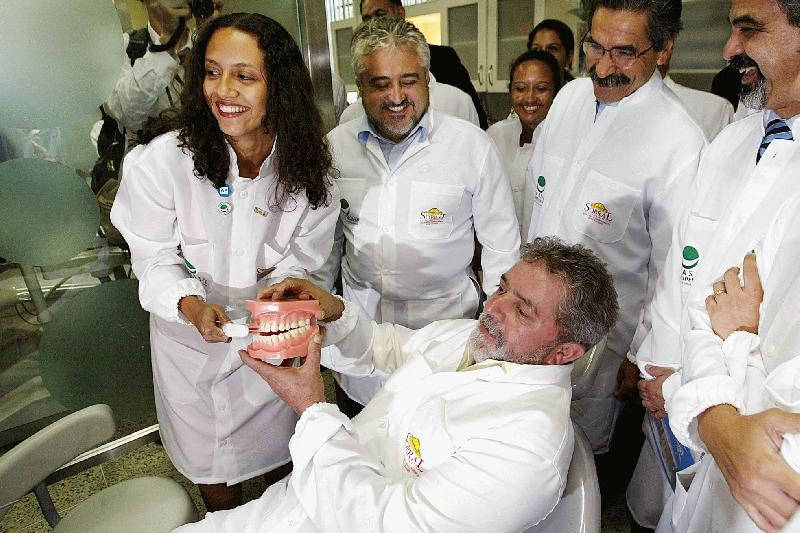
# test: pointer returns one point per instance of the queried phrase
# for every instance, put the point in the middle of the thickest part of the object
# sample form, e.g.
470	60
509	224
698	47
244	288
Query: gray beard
755	96
481	354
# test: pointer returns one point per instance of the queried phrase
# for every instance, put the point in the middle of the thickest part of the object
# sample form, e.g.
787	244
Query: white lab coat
401	264
751	372
515	158
483	449
219	422
145	89
443	98
733	203
638	159
711	112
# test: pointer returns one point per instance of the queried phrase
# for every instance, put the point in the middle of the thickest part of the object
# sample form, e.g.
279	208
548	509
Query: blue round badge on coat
225	191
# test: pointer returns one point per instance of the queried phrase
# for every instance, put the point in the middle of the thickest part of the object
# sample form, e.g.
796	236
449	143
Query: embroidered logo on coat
539	196
351	219
690	259
412	460
432	216
597	212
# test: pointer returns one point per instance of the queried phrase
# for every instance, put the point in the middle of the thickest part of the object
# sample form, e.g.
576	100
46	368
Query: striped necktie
776	129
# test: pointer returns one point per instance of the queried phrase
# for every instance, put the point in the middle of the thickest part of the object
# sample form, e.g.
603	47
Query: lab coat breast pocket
352	197
603	208
433	209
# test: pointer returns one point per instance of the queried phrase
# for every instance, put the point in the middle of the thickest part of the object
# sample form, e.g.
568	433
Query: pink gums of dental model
281	329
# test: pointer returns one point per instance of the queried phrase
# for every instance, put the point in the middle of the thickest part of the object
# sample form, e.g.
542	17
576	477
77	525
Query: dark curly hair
303	160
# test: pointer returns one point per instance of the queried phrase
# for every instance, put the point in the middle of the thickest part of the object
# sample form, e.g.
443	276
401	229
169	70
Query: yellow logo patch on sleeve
412	460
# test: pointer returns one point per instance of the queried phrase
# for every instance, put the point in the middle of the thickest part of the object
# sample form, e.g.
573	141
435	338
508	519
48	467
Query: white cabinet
488	35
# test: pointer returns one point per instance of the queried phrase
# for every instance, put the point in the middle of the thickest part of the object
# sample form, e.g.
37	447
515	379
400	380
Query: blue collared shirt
393	151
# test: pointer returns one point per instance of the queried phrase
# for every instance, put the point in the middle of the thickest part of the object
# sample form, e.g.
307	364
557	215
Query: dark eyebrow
248	65
748	21
517	294
376	79
626	47
410	75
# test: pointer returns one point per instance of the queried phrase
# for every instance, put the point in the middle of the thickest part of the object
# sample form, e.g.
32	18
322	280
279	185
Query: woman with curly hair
228	194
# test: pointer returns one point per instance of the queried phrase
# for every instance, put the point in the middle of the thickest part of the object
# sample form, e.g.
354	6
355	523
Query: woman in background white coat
535	79
229	194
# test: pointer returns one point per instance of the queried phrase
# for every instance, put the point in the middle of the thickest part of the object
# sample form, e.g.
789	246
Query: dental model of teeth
281	329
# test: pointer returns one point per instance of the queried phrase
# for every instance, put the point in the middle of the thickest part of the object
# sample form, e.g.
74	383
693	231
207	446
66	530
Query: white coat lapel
754	210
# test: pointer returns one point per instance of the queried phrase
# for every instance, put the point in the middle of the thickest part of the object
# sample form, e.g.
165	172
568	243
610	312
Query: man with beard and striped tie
746	174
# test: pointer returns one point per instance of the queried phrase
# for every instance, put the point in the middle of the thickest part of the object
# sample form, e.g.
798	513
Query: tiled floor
151	460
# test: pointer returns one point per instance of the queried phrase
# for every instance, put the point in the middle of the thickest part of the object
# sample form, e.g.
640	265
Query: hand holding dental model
207	318
284	319
302	289
300	387
280	329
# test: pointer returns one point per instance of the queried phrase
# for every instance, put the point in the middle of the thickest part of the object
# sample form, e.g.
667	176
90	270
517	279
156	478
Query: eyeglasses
621	56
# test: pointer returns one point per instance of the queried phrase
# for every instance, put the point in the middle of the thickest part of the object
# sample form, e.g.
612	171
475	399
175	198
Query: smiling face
625	30
235	86
549	41
518	323
532	92
394	90
765	47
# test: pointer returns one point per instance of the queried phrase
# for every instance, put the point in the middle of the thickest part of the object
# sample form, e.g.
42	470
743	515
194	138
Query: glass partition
72	332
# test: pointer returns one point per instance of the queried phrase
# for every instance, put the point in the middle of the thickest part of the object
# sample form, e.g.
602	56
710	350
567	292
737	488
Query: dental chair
579	508
146	504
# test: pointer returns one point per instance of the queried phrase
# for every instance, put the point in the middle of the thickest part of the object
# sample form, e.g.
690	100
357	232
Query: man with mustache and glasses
614	164
745	176
471	434
418	186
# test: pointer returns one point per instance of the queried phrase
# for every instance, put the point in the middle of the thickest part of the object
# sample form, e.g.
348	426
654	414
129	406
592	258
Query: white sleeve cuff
642	364
318	423
172	296
691	399
671	385
338	329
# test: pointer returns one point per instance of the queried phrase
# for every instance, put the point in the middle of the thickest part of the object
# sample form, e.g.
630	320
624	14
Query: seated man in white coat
746	174
612	168
470	434
418	187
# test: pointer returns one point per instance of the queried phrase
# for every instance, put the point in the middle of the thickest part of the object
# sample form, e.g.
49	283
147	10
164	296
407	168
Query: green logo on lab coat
690	257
